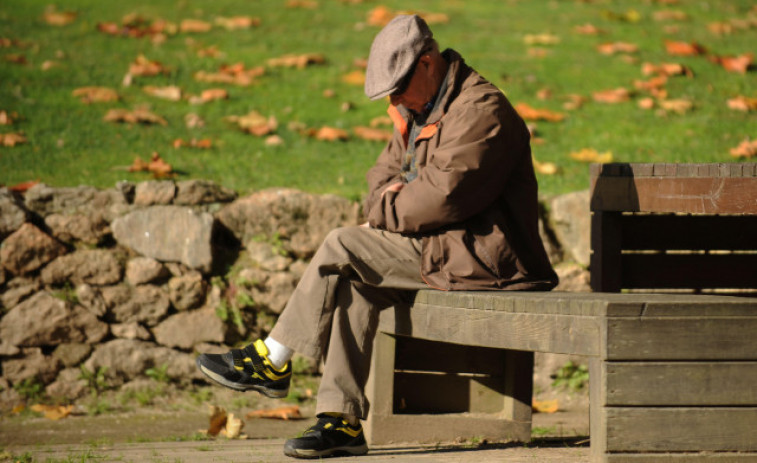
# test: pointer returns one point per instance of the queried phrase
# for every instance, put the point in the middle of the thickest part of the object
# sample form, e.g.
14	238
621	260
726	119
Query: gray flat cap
393	53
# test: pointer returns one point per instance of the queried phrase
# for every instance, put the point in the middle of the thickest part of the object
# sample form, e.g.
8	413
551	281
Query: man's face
419	89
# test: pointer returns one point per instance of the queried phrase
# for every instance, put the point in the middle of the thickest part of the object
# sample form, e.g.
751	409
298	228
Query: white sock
278	353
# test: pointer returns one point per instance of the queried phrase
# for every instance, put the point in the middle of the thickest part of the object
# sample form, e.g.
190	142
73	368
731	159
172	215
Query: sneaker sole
334	452
268	392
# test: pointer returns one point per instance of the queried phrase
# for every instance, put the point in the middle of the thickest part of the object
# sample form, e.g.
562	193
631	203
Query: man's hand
395	187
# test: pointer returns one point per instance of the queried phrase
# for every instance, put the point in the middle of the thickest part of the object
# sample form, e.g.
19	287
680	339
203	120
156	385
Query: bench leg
413	403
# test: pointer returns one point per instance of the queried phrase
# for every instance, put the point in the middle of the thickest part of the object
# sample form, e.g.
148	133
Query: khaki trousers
333	312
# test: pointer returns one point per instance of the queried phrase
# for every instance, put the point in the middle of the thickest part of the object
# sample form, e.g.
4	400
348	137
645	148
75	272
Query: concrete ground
149	438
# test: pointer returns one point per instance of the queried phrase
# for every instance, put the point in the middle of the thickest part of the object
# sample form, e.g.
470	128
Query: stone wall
145	275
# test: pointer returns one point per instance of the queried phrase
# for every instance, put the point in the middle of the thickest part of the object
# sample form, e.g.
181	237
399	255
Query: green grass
69	143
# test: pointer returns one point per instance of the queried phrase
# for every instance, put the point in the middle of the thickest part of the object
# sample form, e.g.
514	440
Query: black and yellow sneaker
330	436
247	369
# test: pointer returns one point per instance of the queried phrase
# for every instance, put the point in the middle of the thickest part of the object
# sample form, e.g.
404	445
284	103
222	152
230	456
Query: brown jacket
474	202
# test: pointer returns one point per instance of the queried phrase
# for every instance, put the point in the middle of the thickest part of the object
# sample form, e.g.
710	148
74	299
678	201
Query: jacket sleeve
384	172
478	147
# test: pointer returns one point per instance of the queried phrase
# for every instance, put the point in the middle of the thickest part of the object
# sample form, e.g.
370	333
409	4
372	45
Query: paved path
270	451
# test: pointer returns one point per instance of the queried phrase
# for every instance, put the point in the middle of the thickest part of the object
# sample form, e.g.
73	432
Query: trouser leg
333	312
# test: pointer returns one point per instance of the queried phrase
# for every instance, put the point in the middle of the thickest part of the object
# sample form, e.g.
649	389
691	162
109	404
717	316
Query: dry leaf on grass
208	95
381	121
236	74
574	102
545	406
95	94
171	92
612	48
194	25
12	139
255	123
630	15
588	29
237	22
616	95
743	103
15	58
381	15
372	134
145	67
684	48
7	119
307	4
545	168
746	149
218	420
740	64
532	114
329	134
356	77
291	412
666	69
53	412
679	106
670	15
157	166
591	155
139	115
205	143
193	120
58	18
297	61
541	39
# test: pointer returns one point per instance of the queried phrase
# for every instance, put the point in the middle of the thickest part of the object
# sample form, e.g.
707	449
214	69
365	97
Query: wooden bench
673	377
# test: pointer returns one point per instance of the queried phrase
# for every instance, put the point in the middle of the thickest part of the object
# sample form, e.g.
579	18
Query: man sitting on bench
452	205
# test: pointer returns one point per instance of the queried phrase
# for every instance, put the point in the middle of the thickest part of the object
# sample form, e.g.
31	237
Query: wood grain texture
681	429
681	383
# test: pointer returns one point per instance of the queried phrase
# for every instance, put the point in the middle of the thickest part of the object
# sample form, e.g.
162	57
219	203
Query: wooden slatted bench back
674	226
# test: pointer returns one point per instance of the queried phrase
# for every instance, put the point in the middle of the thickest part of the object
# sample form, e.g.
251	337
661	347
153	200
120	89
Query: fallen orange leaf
380	16
308	4
218	420
545	406
194	25
205	143
297	61
588	29
233	428
59	18
380	121
545	168
679	106
666	69
95	94
235	74
145	67
11	139
330	134
237	22
617	95
158	167
291	412
532	114
15	58
612	48
53	412
541	39
574	102
591	155
139	115
171	92
740	64
746	149
356	77
684	48
670	15
743	103
7	119
255	123
372	134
